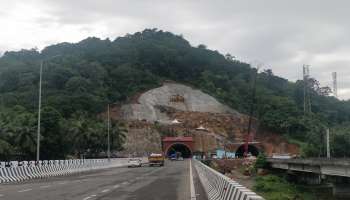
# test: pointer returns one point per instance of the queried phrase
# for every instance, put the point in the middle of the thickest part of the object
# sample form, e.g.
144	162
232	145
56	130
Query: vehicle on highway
134	162
156	159
172	157
176	156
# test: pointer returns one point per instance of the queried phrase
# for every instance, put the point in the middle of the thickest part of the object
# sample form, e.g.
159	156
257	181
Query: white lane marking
89	197
116	186
106	190
1	195
125	183
45	186
193	192
62	183
25	190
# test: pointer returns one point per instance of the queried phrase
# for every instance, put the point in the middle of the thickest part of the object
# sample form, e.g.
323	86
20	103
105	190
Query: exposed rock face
142	139
154	113
172	95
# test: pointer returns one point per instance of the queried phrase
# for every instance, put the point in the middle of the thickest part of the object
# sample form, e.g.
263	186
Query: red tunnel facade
168	142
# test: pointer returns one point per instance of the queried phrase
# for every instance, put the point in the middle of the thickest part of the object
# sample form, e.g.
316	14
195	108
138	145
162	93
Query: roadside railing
220	187
15	171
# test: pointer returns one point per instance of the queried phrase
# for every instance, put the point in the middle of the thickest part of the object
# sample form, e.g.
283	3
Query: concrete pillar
310	178
341	190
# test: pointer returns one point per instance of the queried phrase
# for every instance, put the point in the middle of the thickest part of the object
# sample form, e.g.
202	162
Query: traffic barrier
15	171
220	187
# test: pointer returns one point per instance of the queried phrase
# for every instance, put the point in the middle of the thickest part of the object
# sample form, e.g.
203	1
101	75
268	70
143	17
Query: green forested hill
81	79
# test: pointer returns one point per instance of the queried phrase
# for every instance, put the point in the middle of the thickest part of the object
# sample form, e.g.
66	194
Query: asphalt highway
171	182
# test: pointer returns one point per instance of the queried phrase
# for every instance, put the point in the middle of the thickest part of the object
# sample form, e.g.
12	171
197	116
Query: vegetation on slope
273	187
86	76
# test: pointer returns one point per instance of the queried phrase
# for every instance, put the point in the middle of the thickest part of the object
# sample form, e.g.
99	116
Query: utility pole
327	140
108	127
39	115
39	108
304	82
307	100
335	84
246	145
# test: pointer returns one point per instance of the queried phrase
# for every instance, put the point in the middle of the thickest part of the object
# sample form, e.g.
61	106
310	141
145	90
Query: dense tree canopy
81	79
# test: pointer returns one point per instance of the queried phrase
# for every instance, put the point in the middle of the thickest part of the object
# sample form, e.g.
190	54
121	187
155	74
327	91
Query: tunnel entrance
181	144
180	149
251	149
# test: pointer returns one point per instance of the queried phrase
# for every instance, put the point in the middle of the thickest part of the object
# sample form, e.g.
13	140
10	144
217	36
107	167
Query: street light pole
39	115
39	108
108	127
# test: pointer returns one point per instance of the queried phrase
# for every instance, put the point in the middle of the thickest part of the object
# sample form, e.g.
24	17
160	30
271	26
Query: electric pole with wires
251	111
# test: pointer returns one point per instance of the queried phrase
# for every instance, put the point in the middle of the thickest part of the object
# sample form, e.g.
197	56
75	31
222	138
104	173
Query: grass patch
273	187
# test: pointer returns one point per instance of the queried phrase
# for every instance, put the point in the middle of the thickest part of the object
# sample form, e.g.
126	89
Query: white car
134	162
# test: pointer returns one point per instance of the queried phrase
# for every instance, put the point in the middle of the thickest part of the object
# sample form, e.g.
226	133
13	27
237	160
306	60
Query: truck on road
156	159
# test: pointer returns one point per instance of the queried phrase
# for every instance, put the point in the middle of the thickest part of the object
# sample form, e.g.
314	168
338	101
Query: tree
6	150
117	134
91	73
23	129
229	57
77	126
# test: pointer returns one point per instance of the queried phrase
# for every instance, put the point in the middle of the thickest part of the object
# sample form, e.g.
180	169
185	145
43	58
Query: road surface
171	182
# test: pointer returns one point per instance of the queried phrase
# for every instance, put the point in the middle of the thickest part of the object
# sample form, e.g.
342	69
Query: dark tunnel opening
180	149
251	149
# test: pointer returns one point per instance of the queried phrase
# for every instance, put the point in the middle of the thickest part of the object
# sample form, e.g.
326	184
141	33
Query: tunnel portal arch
181	148
251	149
181	144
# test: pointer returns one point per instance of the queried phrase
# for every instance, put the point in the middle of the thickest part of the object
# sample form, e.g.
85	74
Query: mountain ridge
88	75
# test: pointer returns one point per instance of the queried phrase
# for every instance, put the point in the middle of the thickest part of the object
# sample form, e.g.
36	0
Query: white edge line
193	192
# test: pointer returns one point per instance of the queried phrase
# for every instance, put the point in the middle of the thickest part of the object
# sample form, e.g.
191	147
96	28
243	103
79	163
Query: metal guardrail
220	187
312	161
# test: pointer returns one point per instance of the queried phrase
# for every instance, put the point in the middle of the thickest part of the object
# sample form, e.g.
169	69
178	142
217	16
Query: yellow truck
156	159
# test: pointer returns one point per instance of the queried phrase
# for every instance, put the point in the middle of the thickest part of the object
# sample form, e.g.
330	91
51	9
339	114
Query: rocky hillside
178	110
150	105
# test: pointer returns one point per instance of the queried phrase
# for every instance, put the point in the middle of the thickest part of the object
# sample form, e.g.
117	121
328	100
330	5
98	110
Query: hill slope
172	95
86	76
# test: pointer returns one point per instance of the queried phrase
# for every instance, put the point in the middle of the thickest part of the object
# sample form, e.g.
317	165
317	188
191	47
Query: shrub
261	161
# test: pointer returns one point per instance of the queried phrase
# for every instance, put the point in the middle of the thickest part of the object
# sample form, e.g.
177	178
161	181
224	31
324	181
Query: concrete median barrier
15	171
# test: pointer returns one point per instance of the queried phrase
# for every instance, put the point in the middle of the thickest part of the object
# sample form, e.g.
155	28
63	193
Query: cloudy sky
281	34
